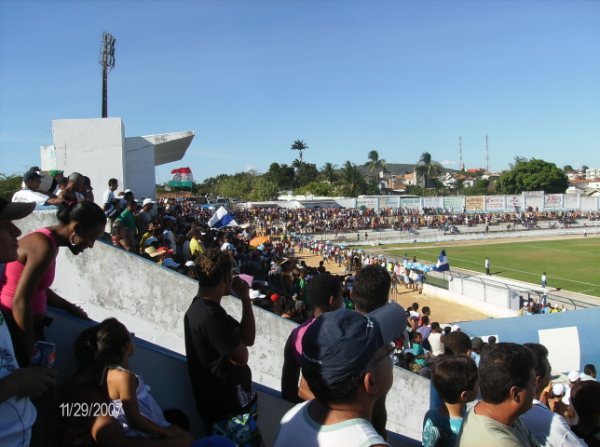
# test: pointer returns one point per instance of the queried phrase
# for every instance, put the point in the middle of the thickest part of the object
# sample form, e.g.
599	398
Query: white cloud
449	162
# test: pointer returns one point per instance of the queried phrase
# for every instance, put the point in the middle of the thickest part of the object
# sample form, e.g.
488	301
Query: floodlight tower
107	60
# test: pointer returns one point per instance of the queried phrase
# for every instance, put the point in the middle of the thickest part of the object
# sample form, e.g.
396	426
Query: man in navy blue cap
348	367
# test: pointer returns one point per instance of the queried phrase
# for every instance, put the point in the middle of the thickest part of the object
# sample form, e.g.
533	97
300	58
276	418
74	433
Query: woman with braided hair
25	283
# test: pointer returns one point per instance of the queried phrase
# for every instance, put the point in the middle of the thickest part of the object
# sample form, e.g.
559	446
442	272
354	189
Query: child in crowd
418	350
135	408
455	378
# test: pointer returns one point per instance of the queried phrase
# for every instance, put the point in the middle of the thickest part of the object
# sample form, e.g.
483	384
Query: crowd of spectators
338	361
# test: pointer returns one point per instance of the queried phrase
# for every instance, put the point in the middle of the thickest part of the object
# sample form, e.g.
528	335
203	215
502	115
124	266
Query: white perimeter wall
152	300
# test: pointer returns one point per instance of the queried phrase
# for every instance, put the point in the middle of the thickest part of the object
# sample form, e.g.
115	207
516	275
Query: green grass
571	264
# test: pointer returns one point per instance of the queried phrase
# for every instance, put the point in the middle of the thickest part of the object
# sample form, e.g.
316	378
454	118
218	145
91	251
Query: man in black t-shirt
216	346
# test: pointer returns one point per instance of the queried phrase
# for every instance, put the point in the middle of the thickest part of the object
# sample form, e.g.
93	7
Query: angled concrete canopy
169	147
98	148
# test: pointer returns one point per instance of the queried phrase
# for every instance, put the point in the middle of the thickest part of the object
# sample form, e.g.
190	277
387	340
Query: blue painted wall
525	330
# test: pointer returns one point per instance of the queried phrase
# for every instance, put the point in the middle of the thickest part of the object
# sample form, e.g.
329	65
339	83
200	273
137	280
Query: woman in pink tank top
25	283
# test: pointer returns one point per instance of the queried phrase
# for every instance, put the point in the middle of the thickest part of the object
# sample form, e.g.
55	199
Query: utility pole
487	154
107	60
460	163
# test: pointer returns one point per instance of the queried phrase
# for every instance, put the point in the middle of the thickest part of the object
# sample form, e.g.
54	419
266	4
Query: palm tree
297	163
375	163
351	179
299	145
328	172
427	168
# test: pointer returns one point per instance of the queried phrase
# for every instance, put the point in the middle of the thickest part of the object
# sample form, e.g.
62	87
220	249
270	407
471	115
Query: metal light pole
107	60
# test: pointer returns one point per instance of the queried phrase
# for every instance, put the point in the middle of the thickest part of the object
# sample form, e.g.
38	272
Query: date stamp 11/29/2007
88	409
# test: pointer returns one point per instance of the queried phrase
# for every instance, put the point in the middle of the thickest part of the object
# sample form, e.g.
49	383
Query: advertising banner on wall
455	204
589	203
514	202
412	203
367	202
534	200
346	203
571	201
389	202
432	202
494	203
553	201
475	204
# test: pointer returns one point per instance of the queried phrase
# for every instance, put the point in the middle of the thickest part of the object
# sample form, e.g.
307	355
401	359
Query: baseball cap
31	175
15	211
558	389
147	201
340	345
254	294
392	319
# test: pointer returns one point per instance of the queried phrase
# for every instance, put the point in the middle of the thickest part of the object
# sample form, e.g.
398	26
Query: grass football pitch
570	264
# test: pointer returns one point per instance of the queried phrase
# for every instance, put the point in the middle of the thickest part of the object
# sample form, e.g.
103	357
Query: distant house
592	173
390	183
586	183
448	180
467	180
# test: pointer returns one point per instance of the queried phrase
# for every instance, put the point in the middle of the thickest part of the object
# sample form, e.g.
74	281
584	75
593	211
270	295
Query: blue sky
250	77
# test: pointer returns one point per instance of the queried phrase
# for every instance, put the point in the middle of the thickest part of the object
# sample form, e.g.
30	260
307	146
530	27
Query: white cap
455	328
147	201
189	263
254	294
128	190
574	376
558	389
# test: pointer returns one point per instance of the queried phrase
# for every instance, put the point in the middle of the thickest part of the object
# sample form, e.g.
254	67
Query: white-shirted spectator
30	193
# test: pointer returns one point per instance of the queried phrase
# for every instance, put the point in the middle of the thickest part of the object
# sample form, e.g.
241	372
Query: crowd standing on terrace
338	362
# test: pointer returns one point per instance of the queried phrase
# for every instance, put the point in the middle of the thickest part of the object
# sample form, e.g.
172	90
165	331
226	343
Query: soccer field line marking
523	271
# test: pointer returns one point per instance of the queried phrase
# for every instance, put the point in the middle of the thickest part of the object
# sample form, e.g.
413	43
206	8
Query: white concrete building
98	148
592	173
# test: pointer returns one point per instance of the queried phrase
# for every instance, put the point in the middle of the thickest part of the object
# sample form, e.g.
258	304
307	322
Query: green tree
296	163
306	173
518	159
9	184
263	188
317	188
479	188
375	163
328	173
568	169
300	146
428	169
584	168
237	185
414	190
352	182
281	175
533	175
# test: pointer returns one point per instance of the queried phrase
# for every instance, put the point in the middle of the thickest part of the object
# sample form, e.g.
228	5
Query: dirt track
441	310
